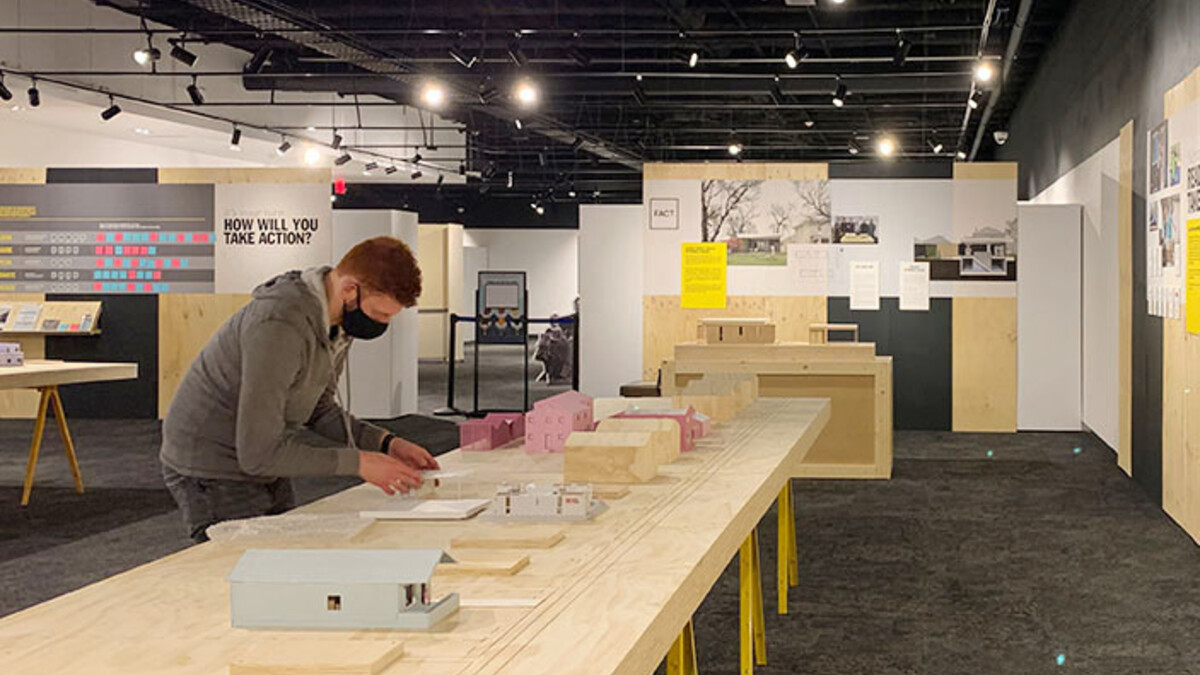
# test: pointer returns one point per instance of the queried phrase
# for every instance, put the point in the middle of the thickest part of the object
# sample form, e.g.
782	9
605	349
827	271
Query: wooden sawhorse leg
681	660
752	629
787	558
49	397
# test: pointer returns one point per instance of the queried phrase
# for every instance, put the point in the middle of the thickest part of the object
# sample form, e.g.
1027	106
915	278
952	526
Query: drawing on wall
856	230
1193	189
988	254
1174	165
1170	234
758	219
1158	157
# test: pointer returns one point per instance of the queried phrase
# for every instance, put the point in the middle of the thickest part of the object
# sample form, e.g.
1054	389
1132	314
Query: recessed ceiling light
527	94
142	130
885	146
433	95
984	72
312	155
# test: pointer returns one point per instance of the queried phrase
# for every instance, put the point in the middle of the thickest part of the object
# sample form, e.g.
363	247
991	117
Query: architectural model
543	501
690	427
607	407
11	354
337	589
493	431
611	457
664	434
552	420
737	331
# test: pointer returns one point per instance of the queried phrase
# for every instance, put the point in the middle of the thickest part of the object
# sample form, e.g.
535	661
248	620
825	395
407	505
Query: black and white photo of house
987	254
856	230
758	219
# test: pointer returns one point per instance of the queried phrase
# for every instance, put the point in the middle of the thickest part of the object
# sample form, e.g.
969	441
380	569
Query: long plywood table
858	442
610	597
47	377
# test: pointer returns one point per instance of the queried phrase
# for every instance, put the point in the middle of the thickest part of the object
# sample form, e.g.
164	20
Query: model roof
323	566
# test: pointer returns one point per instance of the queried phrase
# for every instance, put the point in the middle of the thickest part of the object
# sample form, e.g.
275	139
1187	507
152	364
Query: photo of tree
757	219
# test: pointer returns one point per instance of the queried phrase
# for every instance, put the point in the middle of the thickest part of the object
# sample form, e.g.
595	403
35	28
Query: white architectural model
337	589
543	501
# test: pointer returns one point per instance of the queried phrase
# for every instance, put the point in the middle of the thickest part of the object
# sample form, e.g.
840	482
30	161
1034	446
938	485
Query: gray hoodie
247	407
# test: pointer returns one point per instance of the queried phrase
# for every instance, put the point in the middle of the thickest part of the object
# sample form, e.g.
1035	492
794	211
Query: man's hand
387	473
411	454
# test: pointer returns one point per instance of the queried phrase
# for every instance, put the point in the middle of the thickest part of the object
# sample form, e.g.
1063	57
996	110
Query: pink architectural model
552	420
691	426
490	432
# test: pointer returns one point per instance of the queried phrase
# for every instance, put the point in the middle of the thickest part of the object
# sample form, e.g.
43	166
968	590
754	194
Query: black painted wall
919	344
1112	61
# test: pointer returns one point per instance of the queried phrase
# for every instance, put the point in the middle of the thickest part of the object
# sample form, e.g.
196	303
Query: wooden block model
721	395
607	407
491	432
11	354
689	425
552	420
569	501
609	457
348	589
736	331
664	434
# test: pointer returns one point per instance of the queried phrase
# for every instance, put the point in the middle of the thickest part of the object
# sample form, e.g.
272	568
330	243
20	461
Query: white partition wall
549	258
1050	318
382	372
610	297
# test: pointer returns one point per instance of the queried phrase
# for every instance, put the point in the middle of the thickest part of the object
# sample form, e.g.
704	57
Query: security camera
1001	136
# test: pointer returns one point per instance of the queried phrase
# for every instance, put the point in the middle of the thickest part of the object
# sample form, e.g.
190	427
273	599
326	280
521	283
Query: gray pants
208	501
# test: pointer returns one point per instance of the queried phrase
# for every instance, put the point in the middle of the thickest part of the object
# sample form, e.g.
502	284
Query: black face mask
358	325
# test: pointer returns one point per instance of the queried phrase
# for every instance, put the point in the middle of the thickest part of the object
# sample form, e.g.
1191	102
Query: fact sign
664	213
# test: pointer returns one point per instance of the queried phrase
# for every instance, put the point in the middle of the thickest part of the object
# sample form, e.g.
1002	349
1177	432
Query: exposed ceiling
616	88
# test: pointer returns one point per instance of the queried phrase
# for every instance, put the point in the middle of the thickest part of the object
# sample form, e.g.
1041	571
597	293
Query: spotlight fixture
441	179
416	158
181	54
885	146
108	113
463	59
510	180
487	93
5	93
639	95
693	59
343	159
256	63
283	148
517	123
433	95
853	148
571	193
973	101
462	168
390	169
417	174
638	77
235	140
961	155
312	156
903	47
809	122
369	167
576	144
194	92
580	58
797	54
838	2
840	93
735	148
35	96
336	143
936	146
984	72
541	158
483	189
517	55
147	55
489	171
526	94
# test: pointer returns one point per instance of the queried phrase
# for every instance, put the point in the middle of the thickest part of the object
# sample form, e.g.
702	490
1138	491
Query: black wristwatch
387	440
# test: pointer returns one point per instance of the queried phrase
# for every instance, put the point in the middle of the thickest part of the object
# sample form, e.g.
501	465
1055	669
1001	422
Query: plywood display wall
788	203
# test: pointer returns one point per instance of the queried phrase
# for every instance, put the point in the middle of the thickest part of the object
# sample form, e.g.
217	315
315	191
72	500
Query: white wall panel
550	259
1049	318
610	297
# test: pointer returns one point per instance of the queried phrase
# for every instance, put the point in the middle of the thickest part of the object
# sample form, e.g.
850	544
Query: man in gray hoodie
259	405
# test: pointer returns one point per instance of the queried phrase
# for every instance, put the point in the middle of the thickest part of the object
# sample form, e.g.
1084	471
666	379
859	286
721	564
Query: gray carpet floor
962	563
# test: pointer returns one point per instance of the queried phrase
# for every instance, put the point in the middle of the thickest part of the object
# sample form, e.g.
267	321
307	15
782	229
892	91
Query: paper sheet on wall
1192	306
864	285
914	286
811	263
703	281
26	318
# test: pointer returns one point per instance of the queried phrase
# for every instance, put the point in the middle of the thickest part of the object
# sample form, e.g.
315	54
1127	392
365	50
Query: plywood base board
505	567
522	539
316	657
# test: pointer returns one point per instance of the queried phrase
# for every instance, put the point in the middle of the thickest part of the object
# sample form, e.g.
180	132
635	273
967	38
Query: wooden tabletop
609	598
49	373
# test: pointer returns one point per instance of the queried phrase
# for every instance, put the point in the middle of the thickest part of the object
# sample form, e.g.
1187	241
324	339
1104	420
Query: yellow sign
703	283
18	211
1192	300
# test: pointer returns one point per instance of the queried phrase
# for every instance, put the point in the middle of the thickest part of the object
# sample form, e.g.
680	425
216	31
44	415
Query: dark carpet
962	563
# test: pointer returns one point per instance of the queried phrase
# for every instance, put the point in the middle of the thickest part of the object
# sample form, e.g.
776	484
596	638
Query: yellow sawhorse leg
787	558
752	623
49	396
681	660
